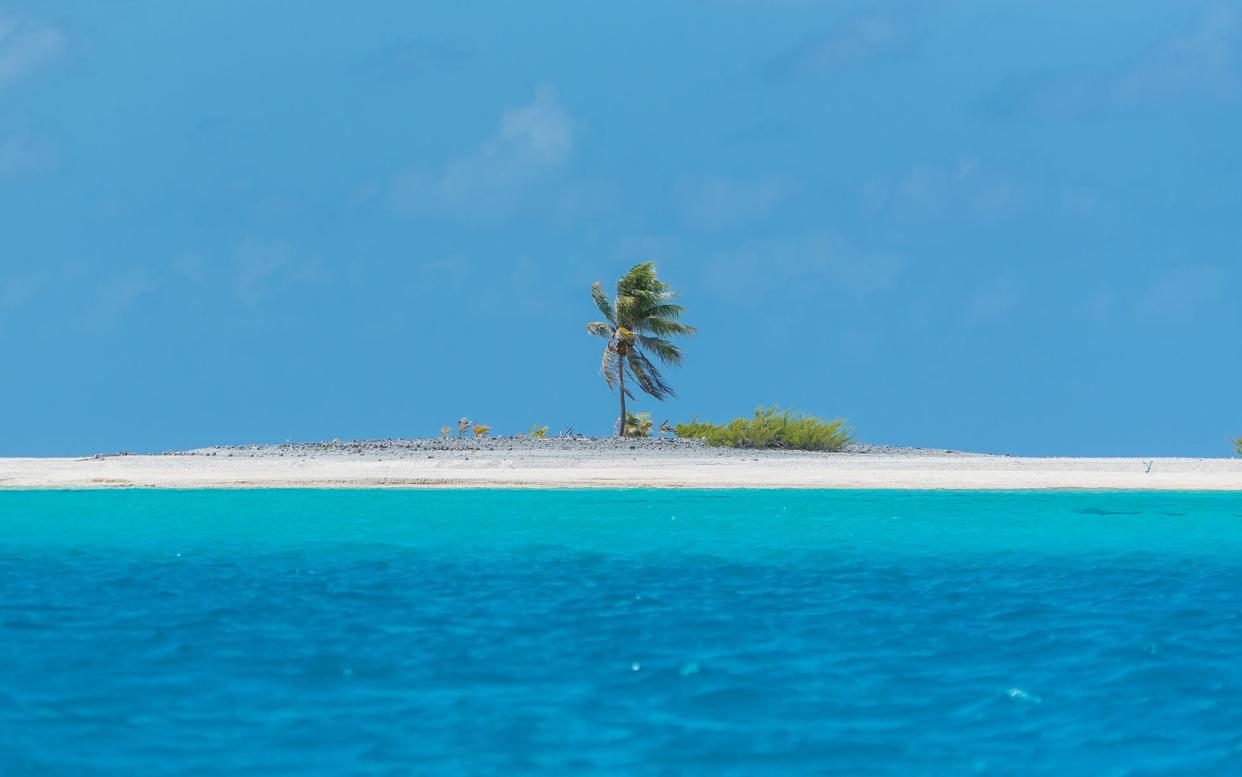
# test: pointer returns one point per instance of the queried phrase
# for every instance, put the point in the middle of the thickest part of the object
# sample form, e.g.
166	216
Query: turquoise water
386	632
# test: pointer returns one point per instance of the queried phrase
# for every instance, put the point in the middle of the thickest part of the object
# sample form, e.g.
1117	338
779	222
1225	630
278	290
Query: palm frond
640	279
629	309
611	366
664	310
647	376
608	365
601	301
663	327
600	329
664	350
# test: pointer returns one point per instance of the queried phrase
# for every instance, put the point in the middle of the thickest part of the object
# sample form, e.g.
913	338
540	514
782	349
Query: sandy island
584	462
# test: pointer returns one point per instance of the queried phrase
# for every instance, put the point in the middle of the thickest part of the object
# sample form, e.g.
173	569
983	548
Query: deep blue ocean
612	632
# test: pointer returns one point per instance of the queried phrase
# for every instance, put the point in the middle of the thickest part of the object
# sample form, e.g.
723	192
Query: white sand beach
539	466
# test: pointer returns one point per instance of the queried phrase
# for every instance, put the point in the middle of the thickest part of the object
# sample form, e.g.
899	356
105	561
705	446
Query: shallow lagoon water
655	632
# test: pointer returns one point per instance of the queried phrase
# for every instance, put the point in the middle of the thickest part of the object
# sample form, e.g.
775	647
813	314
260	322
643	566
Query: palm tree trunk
621	385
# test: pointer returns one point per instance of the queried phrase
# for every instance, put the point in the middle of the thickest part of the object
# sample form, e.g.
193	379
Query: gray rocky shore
560	446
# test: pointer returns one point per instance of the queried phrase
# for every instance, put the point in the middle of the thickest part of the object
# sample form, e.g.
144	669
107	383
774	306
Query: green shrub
771	427
1237	446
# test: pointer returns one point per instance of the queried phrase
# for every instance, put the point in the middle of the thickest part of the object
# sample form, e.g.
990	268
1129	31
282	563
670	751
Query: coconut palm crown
637	326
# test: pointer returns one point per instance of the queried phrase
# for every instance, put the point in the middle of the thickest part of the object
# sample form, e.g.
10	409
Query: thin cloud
1203	62
21	154
994	300
16	290
530	142
25	48
412	58
718	202
263	267
966	188
1181	292
117	295
852	41
810	264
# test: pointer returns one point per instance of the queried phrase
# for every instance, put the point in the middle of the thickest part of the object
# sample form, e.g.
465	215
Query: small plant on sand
665	428
444	432
536	431
1237	446
772	427
638	425
462	425
481	430
637	326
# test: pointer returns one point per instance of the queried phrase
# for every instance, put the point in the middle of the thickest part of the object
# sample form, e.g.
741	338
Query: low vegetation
772	427
638	424
1237	446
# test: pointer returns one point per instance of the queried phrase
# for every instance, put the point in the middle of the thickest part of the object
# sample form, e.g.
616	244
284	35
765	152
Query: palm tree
638	323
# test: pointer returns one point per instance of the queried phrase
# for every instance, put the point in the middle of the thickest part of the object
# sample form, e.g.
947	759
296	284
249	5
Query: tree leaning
639	322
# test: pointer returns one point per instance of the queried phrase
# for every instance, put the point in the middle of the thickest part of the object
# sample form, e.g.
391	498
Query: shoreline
560	463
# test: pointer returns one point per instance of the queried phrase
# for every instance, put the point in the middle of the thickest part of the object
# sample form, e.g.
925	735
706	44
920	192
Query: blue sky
1007	226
